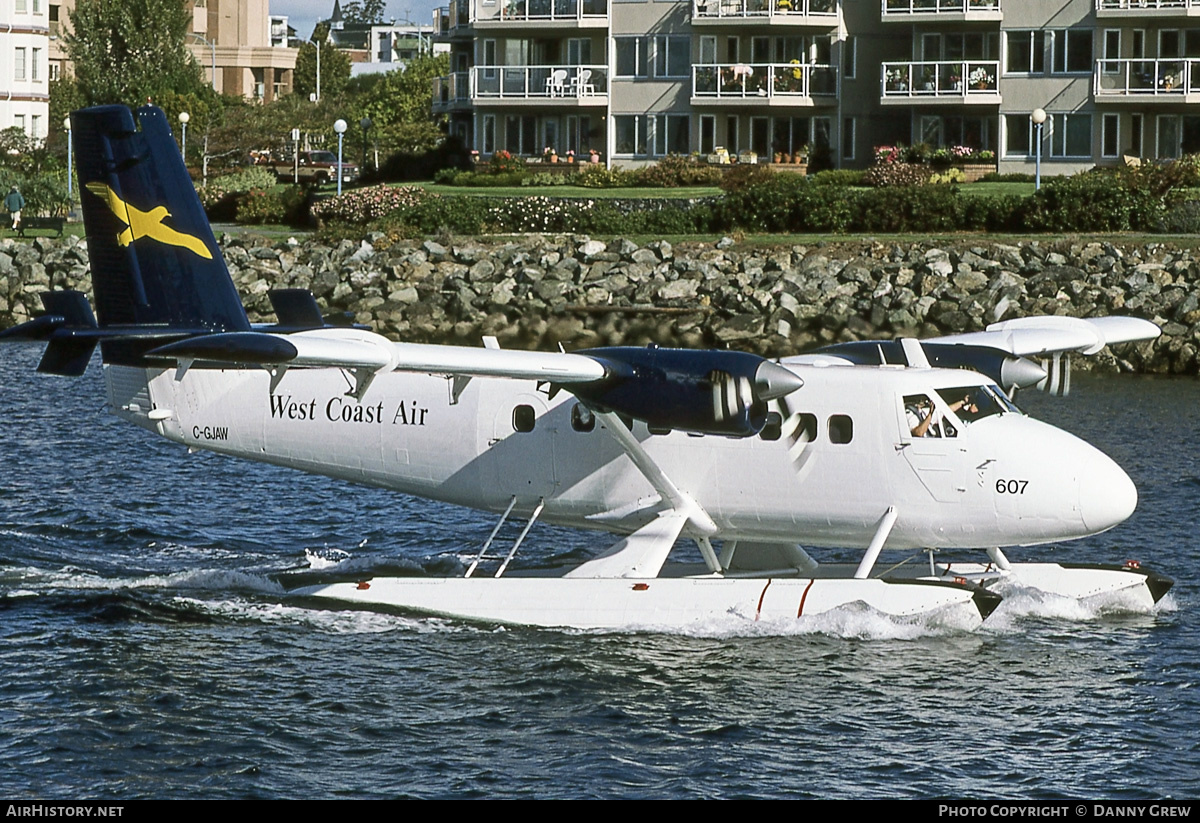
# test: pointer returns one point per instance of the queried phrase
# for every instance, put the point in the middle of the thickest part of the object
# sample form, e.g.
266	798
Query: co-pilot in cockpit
958	407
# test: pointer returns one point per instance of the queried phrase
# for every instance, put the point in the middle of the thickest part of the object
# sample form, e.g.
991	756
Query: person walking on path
14	202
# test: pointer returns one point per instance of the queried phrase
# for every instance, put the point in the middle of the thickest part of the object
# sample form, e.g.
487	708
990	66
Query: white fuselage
1003	480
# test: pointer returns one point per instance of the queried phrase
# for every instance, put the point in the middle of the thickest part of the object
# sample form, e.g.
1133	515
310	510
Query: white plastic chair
582	81
556	83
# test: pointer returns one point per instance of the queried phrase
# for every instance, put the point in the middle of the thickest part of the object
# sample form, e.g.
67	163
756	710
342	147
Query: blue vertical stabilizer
154	259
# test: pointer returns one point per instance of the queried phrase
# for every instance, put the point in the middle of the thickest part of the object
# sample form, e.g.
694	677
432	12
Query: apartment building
639	79
24	66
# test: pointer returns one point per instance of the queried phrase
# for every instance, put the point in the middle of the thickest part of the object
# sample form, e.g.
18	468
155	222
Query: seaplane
901	446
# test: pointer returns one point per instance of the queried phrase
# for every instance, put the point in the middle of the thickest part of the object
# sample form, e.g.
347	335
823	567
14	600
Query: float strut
512	552
881	534
491	537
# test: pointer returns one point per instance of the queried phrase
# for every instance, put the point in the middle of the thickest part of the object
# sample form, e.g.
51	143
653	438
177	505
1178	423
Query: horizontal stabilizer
296	309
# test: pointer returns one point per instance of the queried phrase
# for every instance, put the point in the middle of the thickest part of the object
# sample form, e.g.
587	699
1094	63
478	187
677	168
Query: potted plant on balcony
549	155
980	79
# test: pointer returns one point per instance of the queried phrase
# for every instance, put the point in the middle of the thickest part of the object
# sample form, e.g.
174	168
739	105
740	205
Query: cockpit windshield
971	403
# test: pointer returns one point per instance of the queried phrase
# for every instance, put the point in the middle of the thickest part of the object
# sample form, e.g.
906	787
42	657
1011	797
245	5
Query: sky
304	14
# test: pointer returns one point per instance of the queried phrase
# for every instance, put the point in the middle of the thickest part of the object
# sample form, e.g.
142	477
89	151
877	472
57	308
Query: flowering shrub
365	205
897	174
540	214
503	162
279	205
888	154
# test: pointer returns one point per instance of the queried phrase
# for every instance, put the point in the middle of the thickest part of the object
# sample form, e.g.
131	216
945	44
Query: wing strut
701	524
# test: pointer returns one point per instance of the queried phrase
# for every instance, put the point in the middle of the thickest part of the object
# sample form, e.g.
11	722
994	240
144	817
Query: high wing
1002	351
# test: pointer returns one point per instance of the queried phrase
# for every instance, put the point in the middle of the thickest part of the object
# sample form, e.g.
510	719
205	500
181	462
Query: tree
131	51
335	70
405	96
362	11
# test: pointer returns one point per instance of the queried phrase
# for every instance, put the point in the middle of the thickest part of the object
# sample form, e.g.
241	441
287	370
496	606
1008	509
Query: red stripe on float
803	597
760	599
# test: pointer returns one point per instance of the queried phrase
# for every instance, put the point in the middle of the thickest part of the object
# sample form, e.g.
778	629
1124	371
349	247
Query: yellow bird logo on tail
146	223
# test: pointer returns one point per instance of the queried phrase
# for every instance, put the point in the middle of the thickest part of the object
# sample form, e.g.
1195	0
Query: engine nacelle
710	392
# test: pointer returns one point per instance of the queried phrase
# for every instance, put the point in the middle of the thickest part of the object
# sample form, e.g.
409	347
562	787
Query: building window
35	59
1111	141
1026	52
1135	135
1071	136
19	121
54	71
35	126
22	7
489	133
1168	136
1018	139
708	133
631	134
1072	51
631	56
19	70
849	58
672	55
848	138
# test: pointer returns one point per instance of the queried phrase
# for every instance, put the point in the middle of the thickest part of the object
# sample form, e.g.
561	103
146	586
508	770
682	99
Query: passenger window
523	418
658	429
773	428
841	429
806	427
582	419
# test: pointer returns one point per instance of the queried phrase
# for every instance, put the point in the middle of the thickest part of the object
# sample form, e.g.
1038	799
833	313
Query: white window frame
640	127
640	47
663	54
662	128
1036	54
1062	36
20	64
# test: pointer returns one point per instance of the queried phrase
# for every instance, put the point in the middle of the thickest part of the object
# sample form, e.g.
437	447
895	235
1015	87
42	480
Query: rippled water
148	652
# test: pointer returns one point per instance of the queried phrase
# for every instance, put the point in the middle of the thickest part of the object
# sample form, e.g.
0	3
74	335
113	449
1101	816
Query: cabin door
521	449
932	447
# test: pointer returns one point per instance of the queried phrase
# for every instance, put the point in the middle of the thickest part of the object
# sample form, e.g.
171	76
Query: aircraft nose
1106	494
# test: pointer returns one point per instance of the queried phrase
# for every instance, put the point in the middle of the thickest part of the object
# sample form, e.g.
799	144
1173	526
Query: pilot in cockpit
921	414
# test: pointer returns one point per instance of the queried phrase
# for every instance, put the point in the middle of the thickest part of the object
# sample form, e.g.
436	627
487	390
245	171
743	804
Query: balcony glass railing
942	78
552	10
1165	78
452	88
892	7
738	81
706	9
540	82
1146	5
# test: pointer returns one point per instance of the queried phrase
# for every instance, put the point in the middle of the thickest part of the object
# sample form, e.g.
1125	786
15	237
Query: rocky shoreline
540	291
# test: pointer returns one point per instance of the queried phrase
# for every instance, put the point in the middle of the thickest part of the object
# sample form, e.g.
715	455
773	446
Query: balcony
1147	8
571	86
969	82
451	20
949	11
765	84
1141	81
452	91
823	13
546	14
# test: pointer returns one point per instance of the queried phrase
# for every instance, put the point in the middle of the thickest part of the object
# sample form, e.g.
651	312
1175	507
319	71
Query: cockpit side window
923	418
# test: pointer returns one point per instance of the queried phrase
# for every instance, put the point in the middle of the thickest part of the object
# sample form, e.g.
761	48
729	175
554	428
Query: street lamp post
366	126
296	156
213	47
1038	117
340	127
70	181
184	117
